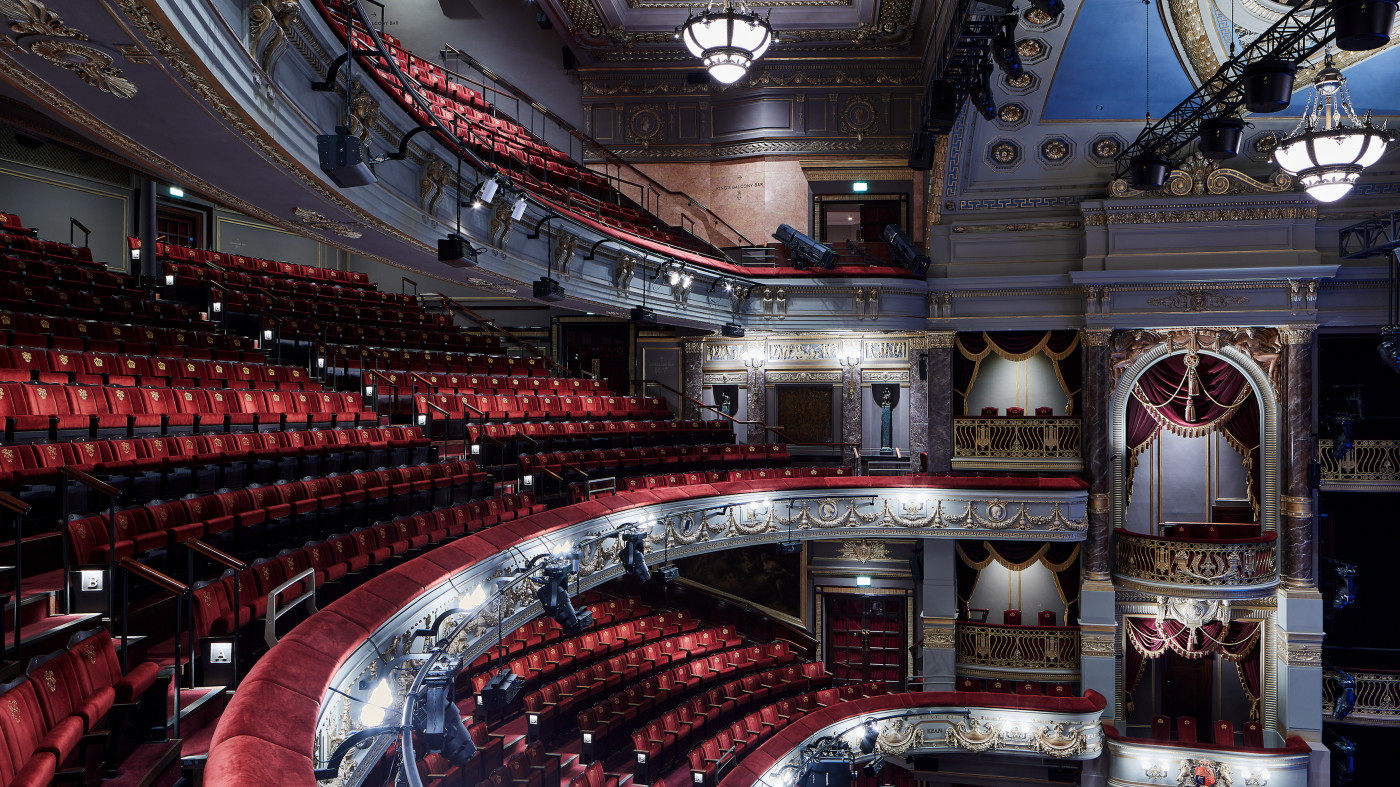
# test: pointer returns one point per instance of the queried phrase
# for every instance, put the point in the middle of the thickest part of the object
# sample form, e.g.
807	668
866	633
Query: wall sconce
1154	770
1257	778
754	358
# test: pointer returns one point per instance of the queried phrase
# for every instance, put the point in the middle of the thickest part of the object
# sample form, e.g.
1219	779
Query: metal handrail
485	323
274	614
74	474
584	137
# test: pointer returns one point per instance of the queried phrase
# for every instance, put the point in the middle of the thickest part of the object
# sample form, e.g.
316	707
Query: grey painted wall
1030	590
502	34
46	197
1026	384
1178	477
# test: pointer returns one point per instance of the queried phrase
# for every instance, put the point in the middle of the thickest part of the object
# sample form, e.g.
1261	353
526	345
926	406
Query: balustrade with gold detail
1375	696
990	649
1370	464
1037	442
1191	565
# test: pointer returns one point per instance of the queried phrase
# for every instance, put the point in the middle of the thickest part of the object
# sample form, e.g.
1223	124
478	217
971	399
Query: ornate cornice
1182	214
1201	176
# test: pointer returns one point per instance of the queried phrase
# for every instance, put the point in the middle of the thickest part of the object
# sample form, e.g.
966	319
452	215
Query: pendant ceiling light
1330	147
727	39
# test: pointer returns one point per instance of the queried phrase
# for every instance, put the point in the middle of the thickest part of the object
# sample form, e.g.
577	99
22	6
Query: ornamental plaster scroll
726	378
687	528
270	23
565	244
1199	176
1263	345
864	550
906	732
816	376
41	31
940	637
885	375
434	181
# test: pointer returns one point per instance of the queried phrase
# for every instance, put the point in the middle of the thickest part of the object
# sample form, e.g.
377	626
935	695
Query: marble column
693	381
852	412
758	392
940	401
1096	446
937	611
1297	520
918	400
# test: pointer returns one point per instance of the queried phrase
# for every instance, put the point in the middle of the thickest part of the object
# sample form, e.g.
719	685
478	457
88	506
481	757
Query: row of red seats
506	407
479	352
197	276
10	224
333	498
619	629
1222	732
125	461
37	411
314	310
595	776
64	698
649	633
531	163
717	754
287	270
579	492
22	364
20	245
533	767
612	618
330	560
561	698
1024	687
607	724
617	434
49	271
80	304
487	382
680	457
445	339
18	329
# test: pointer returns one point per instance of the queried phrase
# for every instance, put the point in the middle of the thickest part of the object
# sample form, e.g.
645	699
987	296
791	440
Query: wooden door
865	639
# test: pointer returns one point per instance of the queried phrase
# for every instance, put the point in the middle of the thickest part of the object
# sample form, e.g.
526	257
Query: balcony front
1270	762
1370	466
1199	560
1014	442
1370	697
1037	653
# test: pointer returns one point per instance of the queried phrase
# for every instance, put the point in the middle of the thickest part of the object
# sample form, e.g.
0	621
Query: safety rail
587	140
198	547
1008	650
1370	465
1044	442
69	474
1172	562
490	325
599	486
275	614
181	593
776	430
1374	698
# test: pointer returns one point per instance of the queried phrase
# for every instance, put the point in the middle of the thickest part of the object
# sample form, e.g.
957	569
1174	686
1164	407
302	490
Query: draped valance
1192	396
1016	346
1062	559
1236	642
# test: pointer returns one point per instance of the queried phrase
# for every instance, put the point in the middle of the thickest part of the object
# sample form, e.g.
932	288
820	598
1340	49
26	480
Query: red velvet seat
1161	728
1186	729
1224	733
1011	617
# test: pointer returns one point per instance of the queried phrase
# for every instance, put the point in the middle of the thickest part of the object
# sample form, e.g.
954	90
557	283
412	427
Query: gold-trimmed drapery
1016	346
1062	560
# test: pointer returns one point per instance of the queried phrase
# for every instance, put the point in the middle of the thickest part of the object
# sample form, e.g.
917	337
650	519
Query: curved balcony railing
1375	698
1370	464
1145	761
990	649
1036	442
1193	566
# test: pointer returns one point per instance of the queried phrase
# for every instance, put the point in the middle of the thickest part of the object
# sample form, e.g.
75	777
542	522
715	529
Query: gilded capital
1096	337
1297	334
941	339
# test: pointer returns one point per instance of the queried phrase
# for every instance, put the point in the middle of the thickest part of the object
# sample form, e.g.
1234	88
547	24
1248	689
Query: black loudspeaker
921	151
344	158
570	62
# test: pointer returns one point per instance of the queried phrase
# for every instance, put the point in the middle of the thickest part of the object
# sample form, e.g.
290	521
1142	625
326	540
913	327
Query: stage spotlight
903	250
789	547
868	736
1389	348
732	330
668	572
436	712
634	555
486	192
554	597
982	97
806	252
1004	48
500	691
519	209
1051	8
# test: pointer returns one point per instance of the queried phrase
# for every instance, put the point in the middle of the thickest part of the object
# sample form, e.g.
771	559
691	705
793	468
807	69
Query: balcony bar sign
1330	147
727	40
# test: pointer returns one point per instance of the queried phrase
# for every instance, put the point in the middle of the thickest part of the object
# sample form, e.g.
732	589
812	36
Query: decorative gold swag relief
1200	176
60	45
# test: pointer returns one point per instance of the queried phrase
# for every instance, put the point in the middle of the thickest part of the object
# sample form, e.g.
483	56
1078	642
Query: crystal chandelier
1330	147
727	40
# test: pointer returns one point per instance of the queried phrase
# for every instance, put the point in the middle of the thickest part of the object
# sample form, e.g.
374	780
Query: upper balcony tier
1199	559
1012	442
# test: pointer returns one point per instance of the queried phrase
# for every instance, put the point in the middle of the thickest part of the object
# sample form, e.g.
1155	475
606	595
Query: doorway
865	639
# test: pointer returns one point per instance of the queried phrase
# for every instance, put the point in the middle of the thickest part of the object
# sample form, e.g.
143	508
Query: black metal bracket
592	250
329	84
545	219
1370	238
1295	37
402	152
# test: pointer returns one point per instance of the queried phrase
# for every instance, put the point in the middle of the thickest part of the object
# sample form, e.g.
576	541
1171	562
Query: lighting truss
1370	238
1294	38
966	46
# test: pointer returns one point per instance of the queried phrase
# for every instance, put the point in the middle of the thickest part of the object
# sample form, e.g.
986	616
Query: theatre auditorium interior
777	393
